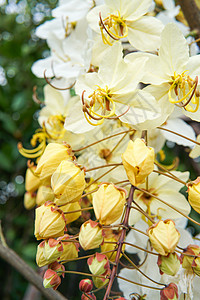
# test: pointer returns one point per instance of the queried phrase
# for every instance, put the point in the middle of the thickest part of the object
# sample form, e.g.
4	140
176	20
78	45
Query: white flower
112	92
196	150
173	74
166	189
120	19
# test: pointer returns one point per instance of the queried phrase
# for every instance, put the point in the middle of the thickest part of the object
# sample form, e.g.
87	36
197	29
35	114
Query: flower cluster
119	84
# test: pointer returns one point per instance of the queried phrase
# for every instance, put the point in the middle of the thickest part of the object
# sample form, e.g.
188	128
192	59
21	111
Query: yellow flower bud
169	264
90	235
29	200
50	160
68	183
32	182
111	236
108	203
138	161
98	264
71	216
40	259
196	265
99	282
51	279
52	249
164	237
70	249
49	222
194	194
44	194
188	256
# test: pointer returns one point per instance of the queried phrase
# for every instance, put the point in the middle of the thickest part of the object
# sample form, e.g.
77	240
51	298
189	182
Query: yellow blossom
90	236
194	194
138	161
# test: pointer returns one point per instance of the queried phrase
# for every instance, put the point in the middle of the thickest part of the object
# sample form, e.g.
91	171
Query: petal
144	34
181	127
174	51
193	66
73	9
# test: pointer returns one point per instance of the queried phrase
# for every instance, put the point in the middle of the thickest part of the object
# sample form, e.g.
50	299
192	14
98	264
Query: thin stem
103	166
172	177
99	141
82	209
88	296
84	274
140	284
191	140
85	195
143	212
164	169
117	144
138	230
181	213
101	176
136	267
140	248
83	257
120	243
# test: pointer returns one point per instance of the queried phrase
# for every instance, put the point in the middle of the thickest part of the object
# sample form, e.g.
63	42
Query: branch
192	15
29	274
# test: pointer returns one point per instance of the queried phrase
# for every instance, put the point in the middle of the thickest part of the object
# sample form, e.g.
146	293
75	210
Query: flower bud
32	182
169	264
70	249
98	264
194	194
196	265
51	279
138	161
50	160
170	292
49	222
52	249
68	183
44	194
188	256
85	285
90	235
164	237
108	203
58	268
40	259
111	236
92	296
100	281
68	209
29	200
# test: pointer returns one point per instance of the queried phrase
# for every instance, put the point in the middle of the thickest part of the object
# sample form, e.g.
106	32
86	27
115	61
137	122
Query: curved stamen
108	32
57	88
113	118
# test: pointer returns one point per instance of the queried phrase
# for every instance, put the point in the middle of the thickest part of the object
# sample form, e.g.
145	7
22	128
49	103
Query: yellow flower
90	235
188	256
164	237
49	222
108	203
44	194
194	194
32	182
29	200
138	161
68	183
70	249
50	159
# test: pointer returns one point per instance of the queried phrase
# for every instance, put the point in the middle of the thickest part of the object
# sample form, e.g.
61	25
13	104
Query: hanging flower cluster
119	83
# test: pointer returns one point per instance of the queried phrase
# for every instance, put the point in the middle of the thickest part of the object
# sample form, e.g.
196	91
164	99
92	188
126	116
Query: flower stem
99	141
172	177
140	284
103	166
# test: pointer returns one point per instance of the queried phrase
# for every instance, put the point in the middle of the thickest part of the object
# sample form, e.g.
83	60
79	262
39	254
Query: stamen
57	88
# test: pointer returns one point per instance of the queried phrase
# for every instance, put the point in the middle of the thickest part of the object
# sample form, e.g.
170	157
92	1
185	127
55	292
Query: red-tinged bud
98	264
170	292
51	279
101	281
52	249
169	264
29	200
188	256
92	296
58	268
85	285
90	236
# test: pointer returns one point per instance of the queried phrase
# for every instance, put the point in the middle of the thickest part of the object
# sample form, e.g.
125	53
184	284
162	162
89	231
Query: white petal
144	34
193	66
181	127
174	52
73	9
